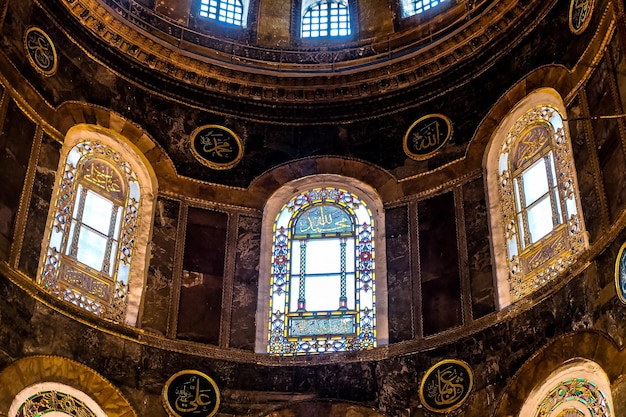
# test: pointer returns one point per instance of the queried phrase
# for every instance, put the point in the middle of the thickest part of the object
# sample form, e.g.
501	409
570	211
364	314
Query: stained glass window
322	275
227	11
575	397
92	231
325	18
540	207
414	7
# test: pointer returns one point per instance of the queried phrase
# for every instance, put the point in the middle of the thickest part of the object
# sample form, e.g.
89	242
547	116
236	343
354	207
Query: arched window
578	388
325	18
323	293
233	12
537	224
99	221
414	7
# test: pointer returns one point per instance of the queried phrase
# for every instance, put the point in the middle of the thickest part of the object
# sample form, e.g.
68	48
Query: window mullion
106	266
524	212
343	299
79	222
301	283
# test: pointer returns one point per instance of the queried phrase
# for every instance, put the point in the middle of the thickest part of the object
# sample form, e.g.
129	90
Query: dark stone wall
157	299
439	264
16	139
399	277
479	259
40	200
200	306
245	285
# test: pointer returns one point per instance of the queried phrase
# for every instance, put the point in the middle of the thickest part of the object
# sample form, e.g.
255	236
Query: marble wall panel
478	251
607	136
399	279
245	286
439	264
619	60
200	307
16	139
41	197
157	294
588	192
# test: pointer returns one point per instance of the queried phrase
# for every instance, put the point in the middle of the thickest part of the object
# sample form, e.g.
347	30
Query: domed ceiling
261	71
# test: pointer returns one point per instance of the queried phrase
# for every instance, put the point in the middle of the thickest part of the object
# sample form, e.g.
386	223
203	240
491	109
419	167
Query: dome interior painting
374	208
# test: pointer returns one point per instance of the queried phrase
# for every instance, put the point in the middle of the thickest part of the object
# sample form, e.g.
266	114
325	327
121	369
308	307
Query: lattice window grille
227	11
326	18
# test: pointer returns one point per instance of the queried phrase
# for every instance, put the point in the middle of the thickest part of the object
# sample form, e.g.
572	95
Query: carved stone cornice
292	77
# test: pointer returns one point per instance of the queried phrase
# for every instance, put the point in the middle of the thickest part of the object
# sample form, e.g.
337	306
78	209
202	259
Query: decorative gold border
432	153
214	165
587	19
437	365
166	404
30	59
617	286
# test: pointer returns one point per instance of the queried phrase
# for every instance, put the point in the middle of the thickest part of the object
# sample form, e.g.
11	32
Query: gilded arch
32	370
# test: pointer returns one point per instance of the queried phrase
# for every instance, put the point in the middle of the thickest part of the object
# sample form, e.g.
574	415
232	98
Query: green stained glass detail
322	220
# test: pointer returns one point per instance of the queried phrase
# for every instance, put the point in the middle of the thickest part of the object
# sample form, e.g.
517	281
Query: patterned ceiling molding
319	77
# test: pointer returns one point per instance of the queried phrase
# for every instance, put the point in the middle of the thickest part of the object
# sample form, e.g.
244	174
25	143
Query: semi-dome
330	208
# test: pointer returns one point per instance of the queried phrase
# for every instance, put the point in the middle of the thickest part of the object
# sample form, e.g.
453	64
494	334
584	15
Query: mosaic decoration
321	311
538	140
580	15
191	394
620	274
216	147
53	401
40	51
575	396
93	276
427	136
446	385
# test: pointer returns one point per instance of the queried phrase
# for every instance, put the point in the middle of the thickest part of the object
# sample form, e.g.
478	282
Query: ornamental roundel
216	147
40	51
620	274
446	385
427	136
580	15
191	393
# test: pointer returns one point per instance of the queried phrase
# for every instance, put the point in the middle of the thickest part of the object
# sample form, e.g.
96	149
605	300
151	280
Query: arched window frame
60	271
579	385
306	26
519	274
287	195
225	11
417	7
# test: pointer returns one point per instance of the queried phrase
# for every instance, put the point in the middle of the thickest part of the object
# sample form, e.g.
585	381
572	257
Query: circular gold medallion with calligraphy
620	273
191	393
216	146
426	136
40	51
446	385
580	15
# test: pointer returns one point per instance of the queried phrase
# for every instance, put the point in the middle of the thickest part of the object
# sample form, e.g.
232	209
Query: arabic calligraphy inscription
427	136
191	394
446	386
40	51
216	146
